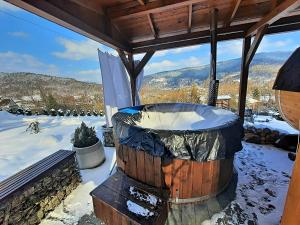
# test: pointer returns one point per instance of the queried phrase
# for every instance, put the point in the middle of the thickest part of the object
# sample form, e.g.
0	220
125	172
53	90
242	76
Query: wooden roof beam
118	12
255	44
77	18
190	18
143	62
280	11
232	14
152	25
201	37
142	2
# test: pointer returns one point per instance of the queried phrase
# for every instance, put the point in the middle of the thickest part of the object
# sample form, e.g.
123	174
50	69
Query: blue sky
32	44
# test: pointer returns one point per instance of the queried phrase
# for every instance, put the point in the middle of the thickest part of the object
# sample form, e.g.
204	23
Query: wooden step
113	198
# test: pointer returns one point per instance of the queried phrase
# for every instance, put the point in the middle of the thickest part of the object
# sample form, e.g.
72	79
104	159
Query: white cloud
172	65
20	34
89	75
267	45
90	72
185	49
7	6
233	48
79	50
16	62
170	51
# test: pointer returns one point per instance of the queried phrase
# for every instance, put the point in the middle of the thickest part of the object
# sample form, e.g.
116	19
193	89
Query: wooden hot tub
186	180
193	164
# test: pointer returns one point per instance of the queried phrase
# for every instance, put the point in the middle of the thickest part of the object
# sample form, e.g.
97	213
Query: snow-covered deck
263	171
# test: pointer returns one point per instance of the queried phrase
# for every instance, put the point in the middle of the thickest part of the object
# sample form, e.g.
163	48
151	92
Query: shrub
84	136
53	112
60	112
82	113
68	112
33	127
75	113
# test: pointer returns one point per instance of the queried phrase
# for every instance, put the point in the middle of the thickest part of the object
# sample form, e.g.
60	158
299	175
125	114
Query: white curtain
116	85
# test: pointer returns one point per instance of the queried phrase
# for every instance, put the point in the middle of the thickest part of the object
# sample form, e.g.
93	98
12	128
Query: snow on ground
273	124
264	171
263	179
19	149
79	202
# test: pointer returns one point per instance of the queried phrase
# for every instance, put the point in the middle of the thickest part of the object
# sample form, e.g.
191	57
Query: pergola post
244	78
213	84
247	56
134	70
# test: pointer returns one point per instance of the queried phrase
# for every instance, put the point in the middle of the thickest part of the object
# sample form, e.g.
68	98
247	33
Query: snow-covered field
273	124
263	170
19	149
263	179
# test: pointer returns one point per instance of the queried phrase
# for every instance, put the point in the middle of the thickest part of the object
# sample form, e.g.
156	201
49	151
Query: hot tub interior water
193	120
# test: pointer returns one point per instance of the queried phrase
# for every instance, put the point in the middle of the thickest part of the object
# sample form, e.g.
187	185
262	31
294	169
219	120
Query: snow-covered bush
34	127
101	113
82	113
20	111
53	112
28	112
75	113
68	112
88	113
84	136
60	112
45	112
95	113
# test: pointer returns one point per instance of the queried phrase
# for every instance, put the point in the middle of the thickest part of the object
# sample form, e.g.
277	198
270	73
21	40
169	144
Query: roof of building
141	25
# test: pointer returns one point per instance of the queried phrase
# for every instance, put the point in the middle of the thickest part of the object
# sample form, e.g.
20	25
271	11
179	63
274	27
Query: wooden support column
248	54
132	78
213	58
244	78
134	70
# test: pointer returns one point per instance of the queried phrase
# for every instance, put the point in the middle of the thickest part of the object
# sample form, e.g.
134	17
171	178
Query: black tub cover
180	130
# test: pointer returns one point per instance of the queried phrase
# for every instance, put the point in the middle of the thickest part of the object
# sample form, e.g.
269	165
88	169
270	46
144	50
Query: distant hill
263	66
18	85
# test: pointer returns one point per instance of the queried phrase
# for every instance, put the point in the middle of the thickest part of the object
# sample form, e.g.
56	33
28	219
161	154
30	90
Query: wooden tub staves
186	180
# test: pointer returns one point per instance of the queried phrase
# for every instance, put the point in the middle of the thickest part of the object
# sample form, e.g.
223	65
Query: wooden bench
33	173
118	194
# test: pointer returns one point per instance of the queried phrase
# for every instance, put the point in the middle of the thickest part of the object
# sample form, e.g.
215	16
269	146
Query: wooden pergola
146	26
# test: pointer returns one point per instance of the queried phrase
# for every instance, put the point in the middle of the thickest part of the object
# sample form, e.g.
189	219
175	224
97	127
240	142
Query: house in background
223	101
8	104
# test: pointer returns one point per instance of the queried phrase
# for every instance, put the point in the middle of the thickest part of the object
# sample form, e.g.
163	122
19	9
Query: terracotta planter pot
90	157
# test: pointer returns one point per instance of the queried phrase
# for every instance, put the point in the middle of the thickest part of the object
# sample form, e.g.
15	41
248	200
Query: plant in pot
88	147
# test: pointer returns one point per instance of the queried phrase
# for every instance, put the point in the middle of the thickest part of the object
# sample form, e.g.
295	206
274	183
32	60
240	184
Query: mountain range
264	66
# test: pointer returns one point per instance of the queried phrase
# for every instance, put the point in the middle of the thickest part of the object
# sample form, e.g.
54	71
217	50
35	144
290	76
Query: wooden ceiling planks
275	14
126	24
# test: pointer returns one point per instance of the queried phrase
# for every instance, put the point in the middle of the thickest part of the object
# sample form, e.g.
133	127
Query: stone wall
261	135
33	202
